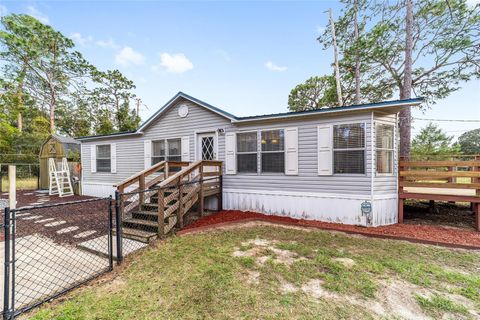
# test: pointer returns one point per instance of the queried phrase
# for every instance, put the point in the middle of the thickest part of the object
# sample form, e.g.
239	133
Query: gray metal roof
283	115
63	139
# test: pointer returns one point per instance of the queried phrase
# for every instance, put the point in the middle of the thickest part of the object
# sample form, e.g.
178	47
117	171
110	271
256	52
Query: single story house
331	164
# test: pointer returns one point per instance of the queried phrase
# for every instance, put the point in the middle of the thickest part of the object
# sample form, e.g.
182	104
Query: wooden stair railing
170	194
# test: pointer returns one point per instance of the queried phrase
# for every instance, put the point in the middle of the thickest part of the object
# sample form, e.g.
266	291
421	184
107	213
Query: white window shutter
147	151
230	153
93	158
185	149
291	151
325	150
113	158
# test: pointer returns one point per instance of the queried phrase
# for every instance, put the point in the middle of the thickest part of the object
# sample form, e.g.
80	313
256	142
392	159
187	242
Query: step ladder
59	179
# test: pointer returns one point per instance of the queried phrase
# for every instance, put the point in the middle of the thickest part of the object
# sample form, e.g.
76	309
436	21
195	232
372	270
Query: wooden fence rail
454	181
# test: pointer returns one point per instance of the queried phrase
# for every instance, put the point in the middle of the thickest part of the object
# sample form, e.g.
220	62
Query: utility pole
335	56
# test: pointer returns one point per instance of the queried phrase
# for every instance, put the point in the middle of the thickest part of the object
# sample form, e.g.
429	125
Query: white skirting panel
337	208
316	206
385	210
98	189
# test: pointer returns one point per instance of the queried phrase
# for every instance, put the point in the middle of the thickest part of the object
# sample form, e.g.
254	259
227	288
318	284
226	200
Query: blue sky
244	57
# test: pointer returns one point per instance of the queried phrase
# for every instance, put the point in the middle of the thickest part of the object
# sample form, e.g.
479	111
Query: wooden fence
453	180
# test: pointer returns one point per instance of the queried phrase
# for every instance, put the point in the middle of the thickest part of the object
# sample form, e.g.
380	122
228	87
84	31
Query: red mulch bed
87	216
415	233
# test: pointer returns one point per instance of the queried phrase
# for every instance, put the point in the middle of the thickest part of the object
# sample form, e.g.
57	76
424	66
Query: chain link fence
27	178
51	249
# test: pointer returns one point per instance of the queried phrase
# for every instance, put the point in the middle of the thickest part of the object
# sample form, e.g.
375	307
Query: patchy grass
438	304
297	275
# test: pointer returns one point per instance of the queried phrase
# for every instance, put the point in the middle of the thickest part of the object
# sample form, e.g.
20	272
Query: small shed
57	147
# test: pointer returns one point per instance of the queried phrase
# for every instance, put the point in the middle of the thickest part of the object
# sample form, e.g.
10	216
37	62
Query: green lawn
265	272
21	184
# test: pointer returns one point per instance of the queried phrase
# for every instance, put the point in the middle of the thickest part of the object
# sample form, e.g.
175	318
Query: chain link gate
52	249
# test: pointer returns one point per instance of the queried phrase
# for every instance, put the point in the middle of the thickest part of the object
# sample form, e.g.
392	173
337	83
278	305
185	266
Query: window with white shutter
147	151
113	158
185	149
291	151
349	148
247	152
384	145
230	153
93	158
104	161
273	151
325	150
158	151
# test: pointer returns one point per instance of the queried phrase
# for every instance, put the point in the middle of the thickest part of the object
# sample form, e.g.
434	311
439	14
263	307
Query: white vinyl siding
349	148
325	150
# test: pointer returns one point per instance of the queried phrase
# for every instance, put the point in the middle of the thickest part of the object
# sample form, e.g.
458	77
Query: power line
449	120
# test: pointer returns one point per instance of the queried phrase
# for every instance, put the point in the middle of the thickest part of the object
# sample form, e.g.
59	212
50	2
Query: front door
206	146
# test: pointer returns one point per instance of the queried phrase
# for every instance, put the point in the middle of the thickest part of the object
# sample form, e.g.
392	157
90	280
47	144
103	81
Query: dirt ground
456	215
71	223
424	232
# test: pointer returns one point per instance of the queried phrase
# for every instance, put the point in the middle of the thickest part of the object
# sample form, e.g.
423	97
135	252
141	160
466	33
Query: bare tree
357	53
406	90
335	56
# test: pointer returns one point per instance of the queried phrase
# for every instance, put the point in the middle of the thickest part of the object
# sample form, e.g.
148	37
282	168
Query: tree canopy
445	52
470	142
433	141
47	86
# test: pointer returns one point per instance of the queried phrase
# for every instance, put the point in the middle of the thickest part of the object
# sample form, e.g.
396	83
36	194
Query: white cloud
128	56
473	2
81	40
107	44
273	67
174	63
34	12
3	10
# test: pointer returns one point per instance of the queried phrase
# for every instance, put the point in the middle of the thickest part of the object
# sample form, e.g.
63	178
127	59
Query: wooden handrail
440	174
180	174
130	180
427	164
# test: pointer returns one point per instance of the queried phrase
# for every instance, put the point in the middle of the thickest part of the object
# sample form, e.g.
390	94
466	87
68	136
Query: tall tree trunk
19	122
357	56
406	91
335	56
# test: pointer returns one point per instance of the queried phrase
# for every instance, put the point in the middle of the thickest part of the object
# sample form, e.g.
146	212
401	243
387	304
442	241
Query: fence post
6	266
110	233
118	229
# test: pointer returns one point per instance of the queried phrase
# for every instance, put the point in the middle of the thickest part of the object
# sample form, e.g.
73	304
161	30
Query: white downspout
372	168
